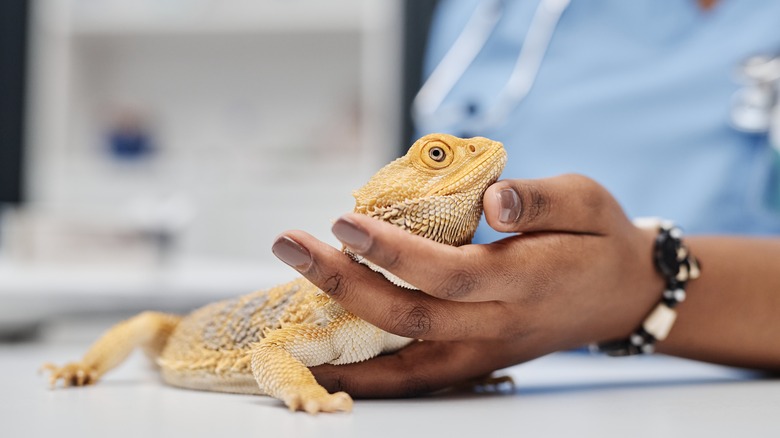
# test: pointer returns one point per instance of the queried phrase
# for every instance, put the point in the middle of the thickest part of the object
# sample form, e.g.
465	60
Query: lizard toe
338	402
71	374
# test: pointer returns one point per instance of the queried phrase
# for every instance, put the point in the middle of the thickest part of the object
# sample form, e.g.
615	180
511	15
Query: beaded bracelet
677	266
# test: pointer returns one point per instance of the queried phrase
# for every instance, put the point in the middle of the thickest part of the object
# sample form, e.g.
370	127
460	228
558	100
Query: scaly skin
262	343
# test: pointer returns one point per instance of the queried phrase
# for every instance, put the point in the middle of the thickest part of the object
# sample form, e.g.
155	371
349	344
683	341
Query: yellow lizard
263	342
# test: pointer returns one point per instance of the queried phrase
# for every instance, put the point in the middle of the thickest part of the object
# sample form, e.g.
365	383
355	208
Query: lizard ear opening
436	154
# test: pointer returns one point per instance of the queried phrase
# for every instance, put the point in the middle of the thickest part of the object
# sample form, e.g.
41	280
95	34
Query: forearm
732	313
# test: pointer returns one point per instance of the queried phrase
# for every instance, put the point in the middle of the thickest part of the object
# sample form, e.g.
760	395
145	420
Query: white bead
679	295
649	223
660	321
648	349
694	271
682	274
637	339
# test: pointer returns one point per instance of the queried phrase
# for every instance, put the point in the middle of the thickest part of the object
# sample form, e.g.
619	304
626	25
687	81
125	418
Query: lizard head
436	189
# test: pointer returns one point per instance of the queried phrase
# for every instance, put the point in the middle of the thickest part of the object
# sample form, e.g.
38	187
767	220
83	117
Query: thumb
567	203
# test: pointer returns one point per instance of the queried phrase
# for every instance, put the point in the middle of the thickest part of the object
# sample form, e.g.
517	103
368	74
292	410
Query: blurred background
153	149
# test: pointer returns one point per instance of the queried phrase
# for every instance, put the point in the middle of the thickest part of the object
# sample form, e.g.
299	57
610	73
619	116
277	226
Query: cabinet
256	116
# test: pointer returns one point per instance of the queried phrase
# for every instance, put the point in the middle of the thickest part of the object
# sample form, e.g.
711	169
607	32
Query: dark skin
580	272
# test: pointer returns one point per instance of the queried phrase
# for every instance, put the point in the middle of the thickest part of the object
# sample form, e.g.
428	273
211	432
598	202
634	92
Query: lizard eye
437	154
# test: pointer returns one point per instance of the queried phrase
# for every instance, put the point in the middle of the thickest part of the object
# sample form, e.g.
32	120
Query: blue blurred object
130	145
129	140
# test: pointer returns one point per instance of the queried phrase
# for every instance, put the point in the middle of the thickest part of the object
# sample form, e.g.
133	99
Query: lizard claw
72	374
494	384
337	402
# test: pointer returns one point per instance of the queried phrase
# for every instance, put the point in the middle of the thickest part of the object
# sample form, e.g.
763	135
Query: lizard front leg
280	361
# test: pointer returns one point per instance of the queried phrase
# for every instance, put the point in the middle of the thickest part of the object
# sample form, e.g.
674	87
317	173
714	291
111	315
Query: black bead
665	254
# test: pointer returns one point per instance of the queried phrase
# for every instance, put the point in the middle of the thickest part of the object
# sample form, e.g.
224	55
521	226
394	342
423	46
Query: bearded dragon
264	342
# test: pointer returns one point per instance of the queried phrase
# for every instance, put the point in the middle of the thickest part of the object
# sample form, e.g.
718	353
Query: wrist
674	266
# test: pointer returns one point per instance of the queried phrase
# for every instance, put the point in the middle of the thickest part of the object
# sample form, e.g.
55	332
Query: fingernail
292	253
509	201
355	237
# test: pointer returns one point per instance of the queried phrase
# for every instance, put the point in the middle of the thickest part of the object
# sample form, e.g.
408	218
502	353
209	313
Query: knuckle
458	285
536	204
411	321
332	379
391	260
507	322
335	286
339	383
518	330
592	194
412	380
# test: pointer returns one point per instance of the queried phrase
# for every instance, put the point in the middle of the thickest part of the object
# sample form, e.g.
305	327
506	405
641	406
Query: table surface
565	394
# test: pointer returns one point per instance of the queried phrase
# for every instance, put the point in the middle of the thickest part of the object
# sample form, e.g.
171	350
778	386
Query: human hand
578	272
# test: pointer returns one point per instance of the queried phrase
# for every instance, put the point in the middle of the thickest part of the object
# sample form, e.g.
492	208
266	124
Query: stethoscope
427	104
755	107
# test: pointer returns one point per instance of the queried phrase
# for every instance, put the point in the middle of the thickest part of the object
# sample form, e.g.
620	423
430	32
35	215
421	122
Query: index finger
370	296
443	271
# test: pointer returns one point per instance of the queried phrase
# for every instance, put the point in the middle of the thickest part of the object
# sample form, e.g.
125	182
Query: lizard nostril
472	148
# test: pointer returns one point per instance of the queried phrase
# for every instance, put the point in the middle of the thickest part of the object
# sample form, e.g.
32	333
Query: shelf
32	293
194	17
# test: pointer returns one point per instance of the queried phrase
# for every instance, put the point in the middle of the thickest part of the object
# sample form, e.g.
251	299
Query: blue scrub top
635	94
